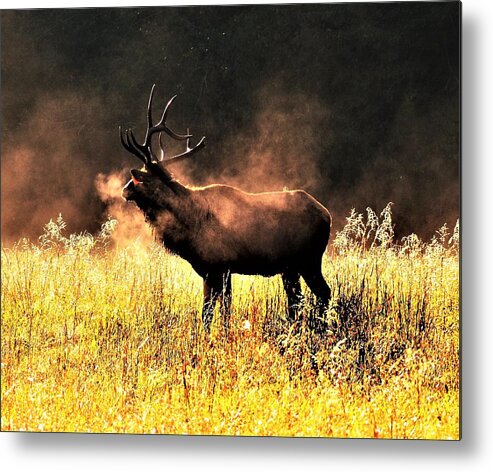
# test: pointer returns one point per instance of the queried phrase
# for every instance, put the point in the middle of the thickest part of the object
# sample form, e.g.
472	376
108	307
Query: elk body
221	230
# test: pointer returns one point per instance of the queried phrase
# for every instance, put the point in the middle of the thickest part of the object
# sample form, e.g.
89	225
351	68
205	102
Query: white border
73	452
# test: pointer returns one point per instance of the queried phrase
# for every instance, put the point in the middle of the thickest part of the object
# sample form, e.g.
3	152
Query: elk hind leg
317	284
292	287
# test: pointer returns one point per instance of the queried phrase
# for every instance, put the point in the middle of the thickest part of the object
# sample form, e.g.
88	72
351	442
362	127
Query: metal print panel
232	220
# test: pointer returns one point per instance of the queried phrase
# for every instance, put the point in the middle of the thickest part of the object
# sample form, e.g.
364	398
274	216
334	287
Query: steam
45	175
131	225
318	107
282	147
279	149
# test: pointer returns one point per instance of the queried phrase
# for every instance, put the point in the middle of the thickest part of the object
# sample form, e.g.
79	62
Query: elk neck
175	216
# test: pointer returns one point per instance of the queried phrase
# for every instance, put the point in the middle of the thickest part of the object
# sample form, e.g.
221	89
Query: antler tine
161	146
128	145
134	147
166	109
187	153
142	149
122	140
188	140
162	126
149	117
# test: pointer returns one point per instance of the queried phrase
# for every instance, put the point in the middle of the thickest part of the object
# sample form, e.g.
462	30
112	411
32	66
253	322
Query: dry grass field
101	338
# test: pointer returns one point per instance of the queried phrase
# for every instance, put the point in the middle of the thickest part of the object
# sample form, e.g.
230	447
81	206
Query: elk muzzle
128	191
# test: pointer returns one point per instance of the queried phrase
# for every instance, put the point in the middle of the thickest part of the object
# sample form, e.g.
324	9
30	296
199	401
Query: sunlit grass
110	340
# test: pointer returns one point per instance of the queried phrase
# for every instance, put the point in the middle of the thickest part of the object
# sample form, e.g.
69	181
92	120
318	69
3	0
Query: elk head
154	177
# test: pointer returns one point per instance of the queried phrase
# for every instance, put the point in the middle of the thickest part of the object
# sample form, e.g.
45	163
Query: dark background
358	104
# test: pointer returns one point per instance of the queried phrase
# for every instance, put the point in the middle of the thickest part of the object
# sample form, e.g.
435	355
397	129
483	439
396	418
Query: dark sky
358	104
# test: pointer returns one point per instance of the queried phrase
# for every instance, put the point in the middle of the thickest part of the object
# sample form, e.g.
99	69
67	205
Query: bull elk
221	230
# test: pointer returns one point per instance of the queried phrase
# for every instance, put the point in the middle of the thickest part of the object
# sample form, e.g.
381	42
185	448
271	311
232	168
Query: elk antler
144	151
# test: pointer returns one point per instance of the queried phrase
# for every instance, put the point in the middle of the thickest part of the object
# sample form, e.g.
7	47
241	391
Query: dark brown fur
221	230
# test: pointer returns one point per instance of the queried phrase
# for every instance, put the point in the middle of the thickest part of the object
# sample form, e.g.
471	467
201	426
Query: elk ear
139	176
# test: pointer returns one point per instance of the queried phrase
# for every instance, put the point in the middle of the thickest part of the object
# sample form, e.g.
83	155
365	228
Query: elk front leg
226	301
291	283
212	292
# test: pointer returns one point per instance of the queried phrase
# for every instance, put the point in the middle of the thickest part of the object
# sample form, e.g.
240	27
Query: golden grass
110	340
